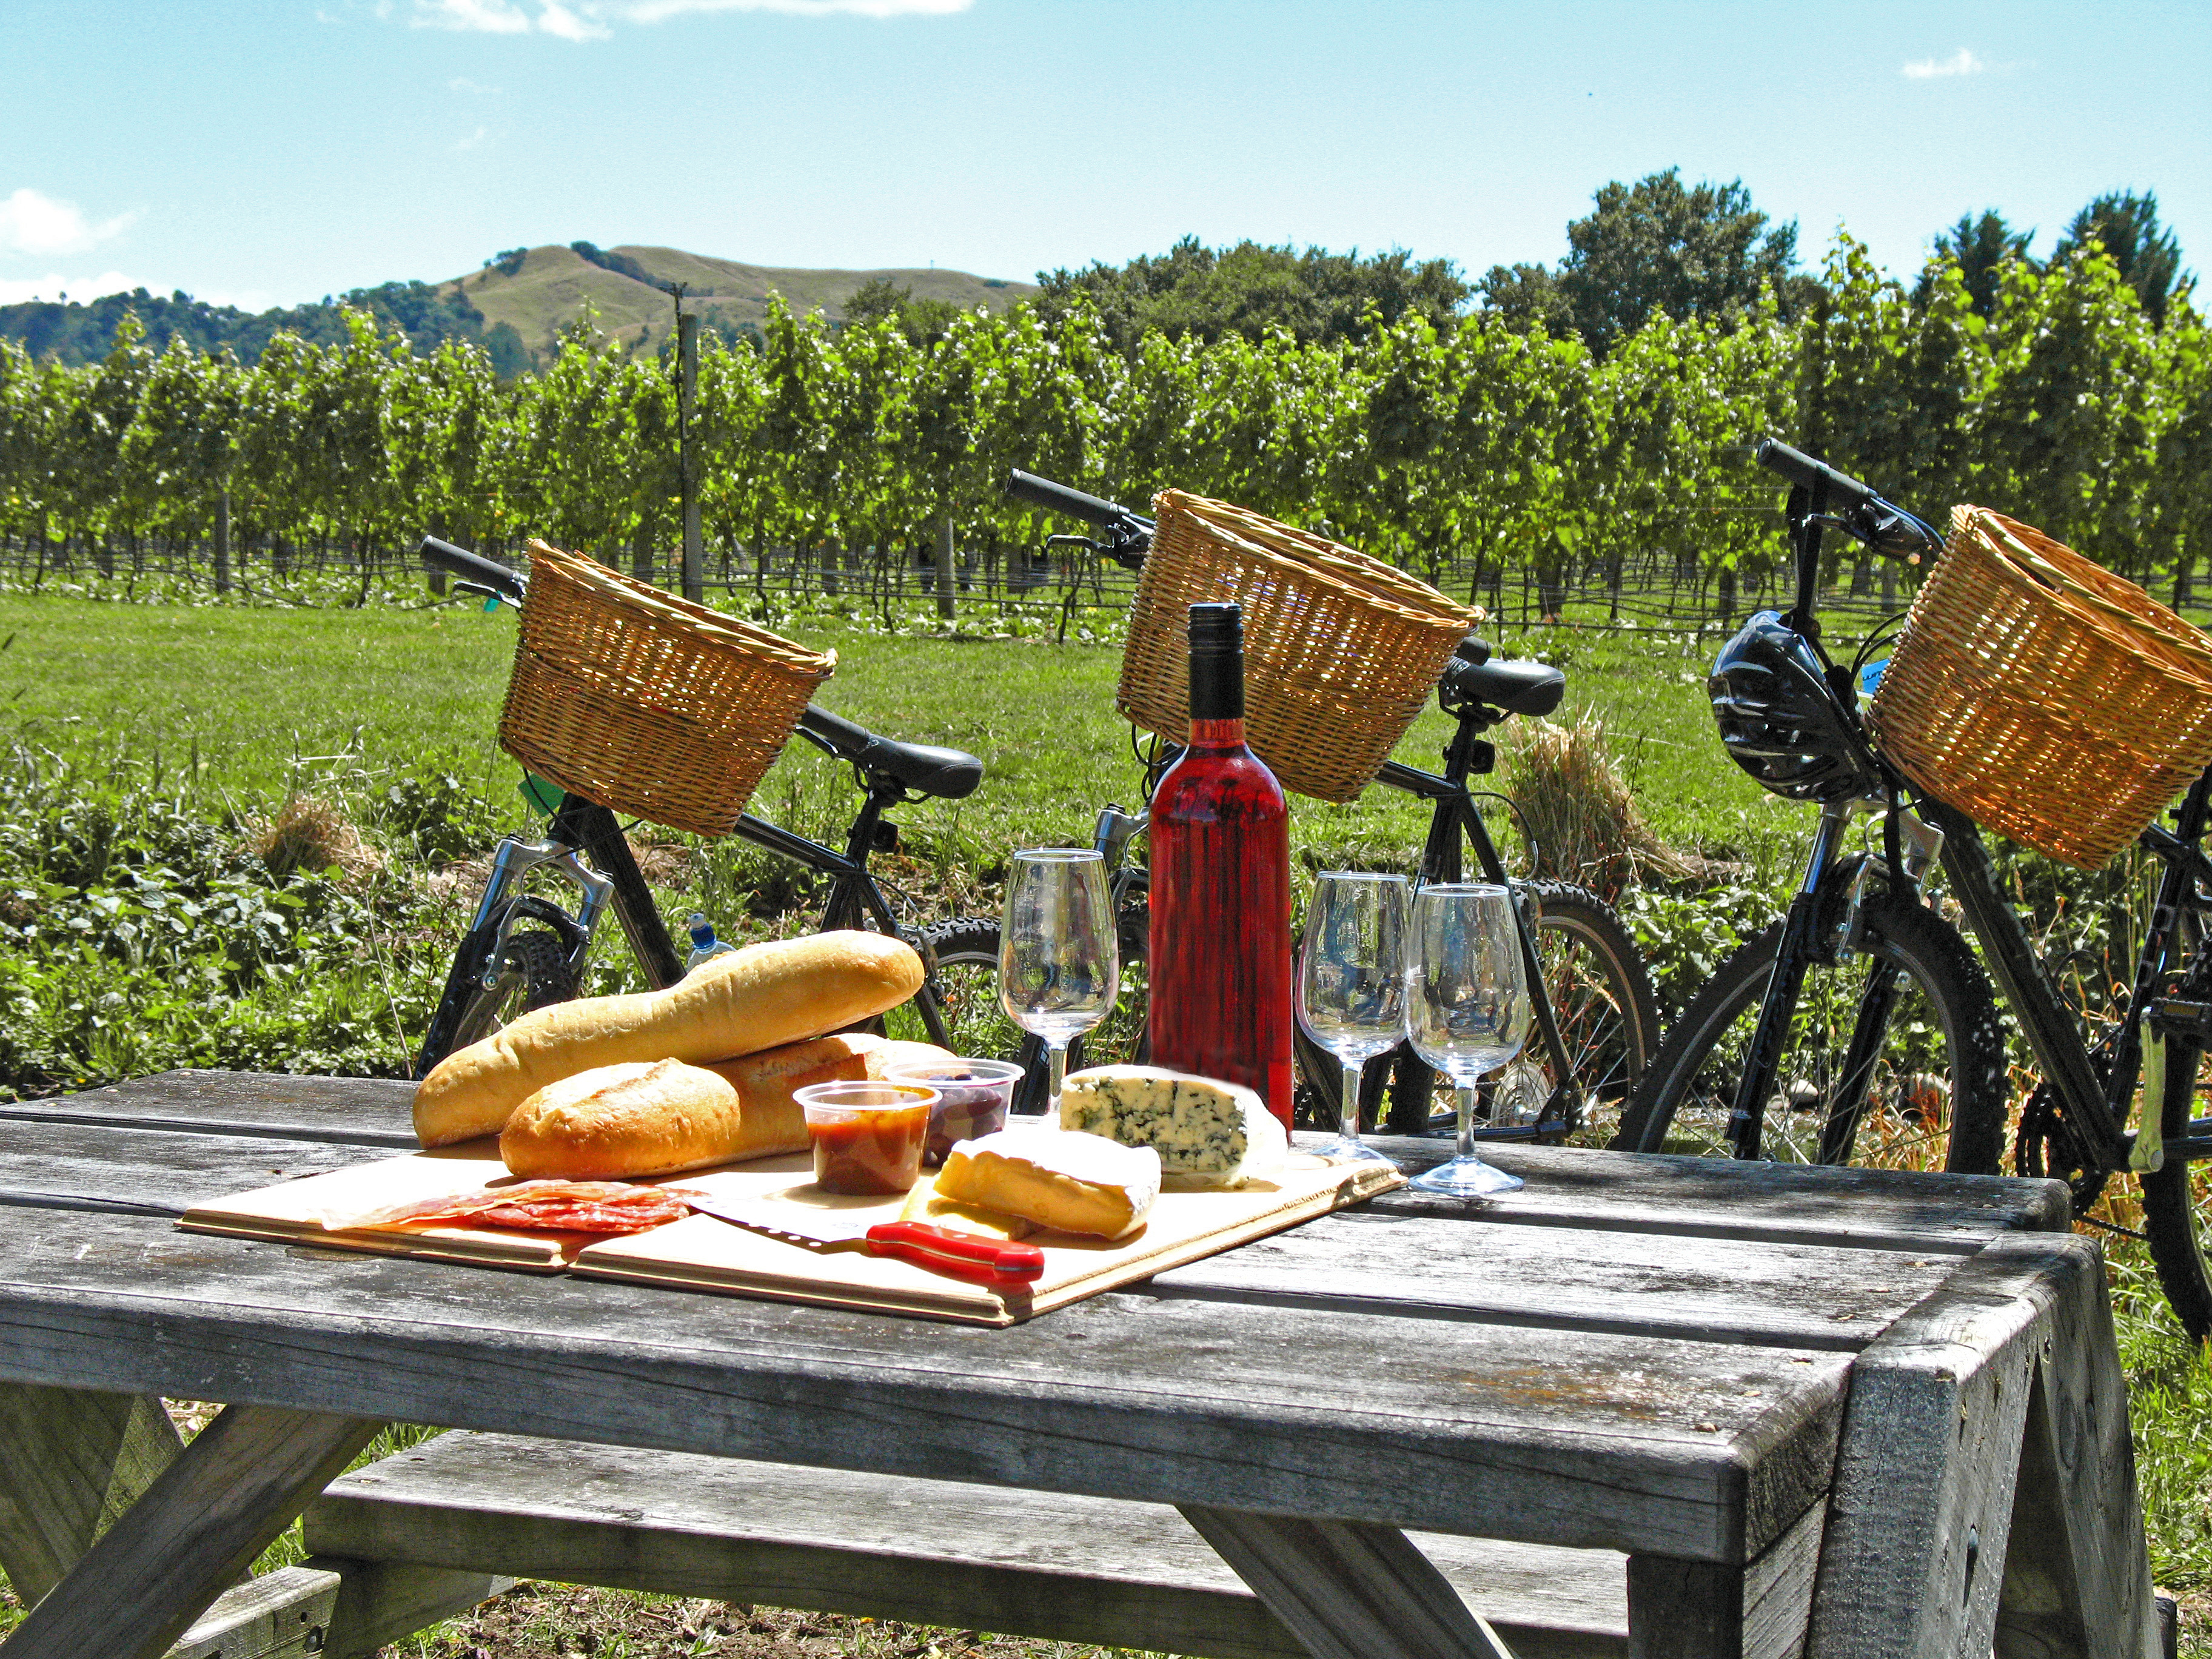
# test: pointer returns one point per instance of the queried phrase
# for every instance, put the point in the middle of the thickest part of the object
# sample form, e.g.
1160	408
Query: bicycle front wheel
1934	1097
2175	1195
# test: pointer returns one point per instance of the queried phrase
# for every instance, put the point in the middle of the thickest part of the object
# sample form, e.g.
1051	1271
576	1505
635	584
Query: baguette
766	1083
616	1123
758	997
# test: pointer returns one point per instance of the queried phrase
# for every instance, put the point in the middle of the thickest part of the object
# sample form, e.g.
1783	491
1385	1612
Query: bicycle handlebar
1883	525
509	585
1128	535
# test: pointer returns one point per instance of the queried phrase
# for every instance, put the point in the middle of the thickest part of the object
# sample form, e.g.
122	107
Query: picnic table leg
1679	1609
241	1481
1998	1396
71	1461
1348	1589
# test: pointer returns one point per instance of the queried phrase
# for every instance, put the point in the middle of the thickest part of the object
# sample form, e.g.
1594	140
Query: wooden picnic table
1833	1411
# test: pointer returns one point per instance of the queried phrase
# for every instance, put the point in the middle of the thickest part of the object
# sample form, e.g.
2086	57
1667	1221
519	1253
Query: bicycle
1722	1077
524	950
1598	1025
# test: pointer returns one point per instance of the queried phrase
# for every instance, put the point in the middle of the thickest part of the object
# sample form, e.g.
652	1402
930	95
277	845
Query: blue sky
277	150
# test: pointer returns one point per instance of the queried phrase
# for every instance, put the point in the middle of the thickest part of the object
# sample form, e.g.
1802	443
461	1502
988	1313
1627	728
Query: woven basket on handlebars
647	704
1340	650
2042	696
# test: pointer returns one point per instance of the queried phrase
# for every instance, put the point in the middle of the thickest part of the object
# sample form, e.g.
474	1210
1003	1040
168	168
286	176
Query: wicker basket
646	703
2042	696
1340	650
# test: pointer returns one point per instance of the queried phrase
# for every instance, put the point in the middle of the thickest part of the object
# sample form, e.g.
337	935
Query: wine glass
1058	963
1467	1010
1351	986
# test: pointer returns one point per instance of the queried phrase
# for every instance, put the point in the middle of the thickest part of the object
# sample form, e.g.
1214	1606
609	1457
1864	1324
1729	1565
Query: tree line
1468	447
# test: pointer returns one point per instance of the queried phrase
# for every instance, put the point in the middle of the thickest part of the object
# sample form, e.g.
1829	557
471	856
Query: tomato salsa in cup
867	1137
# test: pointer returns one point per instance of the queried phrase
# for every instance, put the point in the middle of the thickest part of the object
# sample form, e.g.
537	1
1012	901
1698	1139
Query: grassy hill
548	287
533	292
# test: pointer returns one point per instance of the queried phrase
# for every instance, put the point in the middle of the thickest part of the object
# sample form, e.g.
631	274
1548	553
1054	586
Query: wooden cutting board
702	1253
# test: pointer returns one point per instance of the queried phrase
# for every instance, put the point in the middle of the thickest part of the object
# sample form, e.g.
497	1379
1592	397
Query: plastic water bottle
704	944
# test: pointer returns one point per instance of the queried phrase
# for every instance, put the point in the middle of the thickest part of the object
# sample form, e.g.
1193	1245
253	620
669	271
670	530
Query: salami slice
568	1206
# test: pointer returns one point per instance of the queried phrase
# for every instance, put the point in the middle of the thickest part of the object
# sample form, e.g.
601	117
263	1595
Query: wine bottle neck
1216	734
1217	684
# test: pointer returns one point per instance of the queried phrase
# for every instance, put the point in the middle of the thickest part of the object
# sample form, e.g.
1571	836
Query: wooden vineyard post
686	351
944	574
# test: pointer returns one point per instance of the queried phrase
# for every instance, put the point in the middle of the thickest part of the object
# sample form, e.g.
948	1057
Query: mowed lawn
262	701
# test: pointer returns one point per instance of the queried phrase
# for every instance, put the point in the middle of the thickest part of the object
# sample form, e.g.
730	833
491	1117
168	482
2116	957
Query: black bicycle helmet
1780	719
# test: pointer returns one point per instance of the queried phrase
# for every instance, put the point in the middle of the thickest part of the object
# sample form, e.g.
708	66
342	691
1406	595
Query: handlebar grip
1845	494
1059	498
509	585
1473	648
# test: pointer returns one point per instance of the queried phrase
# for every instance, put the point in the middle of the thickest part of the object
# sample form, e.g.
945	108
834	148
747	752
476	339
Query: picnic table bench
1646	1406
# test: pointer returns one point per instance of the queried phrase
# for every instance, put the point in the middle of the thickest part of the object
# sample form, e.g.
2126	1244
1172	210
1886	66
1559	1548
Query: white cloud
461	83
52	286
31	222
592	20
474	139
1963	62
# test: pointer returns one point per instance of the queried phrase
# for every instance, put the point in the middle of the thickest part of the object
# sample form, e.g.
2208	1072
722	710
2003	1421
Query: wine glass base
1343	1150
1466	1177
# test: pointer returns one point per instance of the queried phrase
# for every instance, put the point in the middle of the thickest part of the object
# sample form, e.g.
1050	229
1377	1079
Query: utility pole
687	391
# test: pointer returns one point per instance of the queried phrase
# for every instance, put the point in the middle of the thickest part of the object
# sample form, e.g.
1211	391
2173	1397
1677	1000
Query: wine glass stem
1056	1060
1467	1120
1347	1111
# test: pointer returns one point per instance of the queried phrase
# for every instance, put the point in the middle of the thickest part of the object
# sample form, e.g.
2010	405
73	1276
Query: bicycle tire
1608	1018
2173	1196
534	974
1684	1103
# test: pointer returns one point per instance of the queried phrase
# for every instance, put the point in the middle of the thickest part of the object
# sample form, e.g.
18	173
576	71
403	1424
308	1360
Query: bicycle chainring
2047	1146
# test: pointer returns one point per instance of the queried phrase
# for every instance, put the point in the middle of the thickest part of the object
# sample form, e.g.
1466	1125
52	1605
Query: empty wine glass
1467	1010
1059	963
1351	986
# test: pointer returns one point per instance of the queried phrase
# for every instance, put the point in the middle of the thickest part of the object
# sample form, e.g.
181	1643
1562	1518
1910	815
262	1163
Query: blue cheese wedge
1208	1133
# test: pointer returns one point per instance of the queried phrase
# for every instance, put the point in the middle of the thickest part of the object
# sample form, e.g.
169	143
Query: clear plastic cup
972	1098
867	1137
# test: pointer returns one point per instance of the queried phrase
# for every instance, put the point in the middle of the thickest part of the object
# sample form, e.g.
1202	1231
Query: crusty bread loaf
614	1123
758	997
766	1082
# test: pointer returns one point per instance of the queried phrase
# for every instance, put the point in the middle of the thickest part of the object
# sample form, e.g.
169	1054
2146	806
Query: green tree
2125	225
1660	248
1979	248
1528	295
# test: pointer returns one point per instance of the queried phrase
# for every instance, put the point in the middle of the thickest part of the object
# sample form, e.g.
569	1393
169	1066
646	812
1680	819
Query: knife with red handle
991	1262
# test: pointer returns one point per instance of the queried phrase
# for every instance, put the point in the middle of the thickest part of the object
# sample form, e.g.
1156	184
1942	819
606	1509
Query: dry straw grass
1579	808
311	833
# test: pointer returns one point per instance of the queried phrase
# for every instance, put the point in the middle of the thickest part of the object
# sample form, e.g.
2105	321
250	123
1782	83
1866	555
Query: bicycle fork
1814	932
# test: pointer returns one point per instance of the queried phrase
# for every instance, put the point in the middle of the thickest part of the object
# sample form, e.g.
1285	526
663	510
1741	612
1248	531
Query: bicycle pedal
2180	1017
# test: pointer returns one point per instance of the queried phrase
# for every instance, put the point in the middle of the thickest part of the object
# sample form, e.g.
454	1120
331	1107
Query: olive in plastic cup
867	1137
972	1098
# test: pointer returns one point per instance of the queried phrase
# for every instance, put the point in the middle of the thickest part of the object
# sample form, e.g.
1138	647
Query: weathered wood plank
1719	1198
1701	1610
385	1601
2077	1573
1715	1289
285	1614
1040	1563
71	1461
1677	1448
98	1166
1922	1512
166	1558
360	1111
1348	1589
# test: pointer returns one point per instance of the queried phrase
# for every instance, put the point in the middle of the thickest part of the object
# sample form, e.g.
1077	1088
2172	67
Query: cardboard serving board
702	1253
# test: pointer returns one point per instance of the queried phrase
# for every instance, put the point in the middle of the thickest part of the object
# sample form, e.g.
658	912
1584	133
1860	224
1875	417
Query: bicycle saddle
1518	687
948	773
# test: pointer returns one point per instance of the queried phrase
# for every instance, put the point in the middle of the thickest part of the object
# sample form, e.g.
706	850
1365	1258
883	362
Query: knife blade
941	1250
